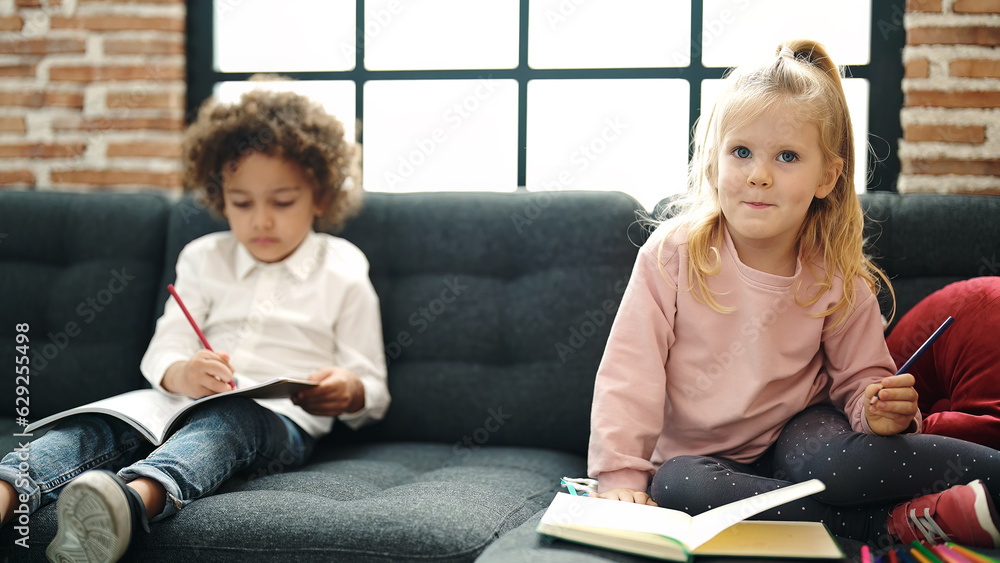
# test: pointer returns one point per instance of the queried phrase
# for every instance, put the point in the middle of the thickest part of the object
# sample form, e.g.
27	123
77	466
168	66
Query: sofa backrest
81	271
926	241
495	308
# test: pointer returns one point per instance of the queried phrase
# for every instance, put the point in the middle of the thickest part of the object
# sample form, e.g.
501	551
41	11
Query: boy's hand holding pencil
206	373
188	378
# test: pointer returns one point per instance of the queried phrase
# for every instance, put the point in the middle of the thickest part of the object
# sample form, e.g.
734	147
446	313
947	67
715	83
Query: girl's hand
339	391
627	495
206	373
892	405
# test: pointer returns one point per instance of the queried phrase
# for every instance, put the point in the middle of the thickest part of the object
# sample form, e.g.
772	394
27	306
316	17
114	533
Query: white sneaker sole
94	523
985	512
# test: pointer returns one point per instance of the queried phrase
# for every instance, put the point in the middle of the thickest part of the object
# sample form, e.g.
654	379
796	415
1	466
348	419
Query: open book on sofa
676	536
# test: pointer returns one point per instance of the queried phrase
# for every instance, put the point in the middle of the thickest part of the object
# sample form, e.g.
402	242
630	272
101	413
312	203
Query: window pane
336	96
440	135
609	33
856	91
297	35
441	34
740	31
628	135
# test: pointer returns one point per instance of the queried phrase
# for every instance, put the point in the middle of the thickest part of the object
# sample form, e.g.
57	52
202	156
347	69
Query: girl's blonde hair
801	77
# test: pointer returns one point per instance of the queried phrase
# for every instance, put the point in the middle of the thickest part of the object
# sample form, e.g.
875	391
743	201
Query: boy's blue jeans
220	439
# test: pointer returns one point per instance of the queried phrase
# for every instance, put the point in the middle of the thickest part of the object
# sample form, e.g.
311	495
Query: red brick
975	68
108	178
961	99
42	46
140	99
977	7
118	23
923	6
11	124
11	23
988	36
40	99
150	149
153	71
18	71
11	177
986	191
917	68
120	124
940	167
38	150
945	133
149	47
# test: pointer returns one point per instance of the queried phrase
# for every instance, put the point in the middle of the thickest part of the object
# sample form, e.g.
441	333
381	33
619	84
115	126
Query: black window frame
884	74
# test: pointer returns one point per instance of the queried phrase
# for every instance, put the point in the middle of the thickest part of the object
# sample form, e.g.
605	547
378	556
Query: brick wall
951	113
91	93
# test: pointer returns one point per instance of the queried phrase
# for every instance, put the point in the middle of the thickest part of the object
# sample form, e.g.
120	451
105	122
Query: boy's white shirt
314	309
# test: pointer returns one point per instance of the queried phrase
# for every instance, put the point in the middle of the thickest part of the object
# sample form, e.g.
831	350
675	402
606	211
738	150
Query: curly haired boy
273	296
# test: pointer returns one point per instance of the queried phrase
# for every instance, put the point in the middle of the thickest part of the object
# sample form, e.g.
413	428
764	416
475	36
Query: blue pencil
926	345
920	351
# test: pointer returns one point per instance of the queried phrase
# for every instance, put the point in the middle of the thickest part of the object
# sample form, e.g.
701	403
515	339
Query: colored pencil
949	555
194	325
926	553
969	554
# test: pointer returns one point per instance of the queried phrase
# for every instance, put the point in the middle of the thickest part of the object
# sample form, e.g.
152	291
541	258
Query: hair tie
786	52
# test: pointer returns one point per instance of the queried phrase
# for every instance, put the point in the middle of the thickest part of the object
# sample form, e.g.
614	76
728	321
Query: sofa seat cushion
377	502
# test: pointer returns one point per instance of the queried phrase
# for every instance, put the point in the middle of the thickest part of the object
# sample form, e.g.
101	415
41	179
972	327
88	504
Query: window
539	94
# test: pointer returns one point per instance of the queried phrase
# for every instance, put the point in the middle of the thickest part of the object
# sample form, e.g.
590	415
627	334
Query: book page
595	512
626	541
155	414
773	539
708	524
148	410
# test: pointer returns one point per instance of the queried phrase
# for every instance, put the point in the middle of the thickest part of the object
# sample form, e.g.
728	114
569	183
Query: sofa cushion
378	502
81	270
926	241
495	308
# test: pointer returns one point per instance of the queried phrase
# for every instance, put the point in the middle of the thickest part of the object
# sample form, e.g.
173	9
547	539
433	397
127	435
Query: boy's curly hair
277	124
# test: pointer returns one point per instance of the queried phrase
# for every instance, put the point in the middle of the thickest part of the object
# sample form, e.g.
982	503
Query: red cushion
958	379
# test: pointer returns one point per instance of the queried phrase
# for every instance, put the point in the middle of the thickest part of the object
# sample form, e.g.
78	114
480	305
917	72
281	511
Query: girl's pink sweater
679	378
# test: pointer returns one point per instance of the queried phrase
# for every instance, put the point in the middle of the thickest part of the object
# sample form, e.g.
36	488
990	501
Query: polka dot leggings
865	475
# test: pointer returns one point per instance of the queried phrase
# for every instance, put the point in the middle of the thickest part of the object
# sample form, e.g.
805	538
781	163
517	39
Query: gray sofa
495	311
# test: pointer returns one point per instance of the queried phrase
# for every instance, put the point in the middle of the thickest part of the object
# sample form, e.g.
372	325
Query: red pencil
194	325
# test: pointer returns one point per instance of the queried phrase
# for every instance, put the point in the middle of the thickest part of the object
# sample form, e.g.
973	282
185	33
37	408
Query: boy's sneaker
963	514
97	515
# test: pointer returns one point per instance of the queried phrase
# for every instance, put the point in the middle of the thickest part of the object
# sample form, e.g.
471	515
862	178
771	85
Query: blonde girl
748	350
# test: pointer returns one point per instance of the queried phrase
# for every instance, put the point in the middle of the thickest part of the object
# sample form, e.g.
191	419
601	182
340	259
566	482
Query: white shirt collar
300	263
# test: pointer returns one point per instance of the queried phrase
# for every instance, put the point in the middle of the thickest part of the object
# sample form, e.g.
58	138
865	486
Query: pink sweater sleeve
630	391
856	356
